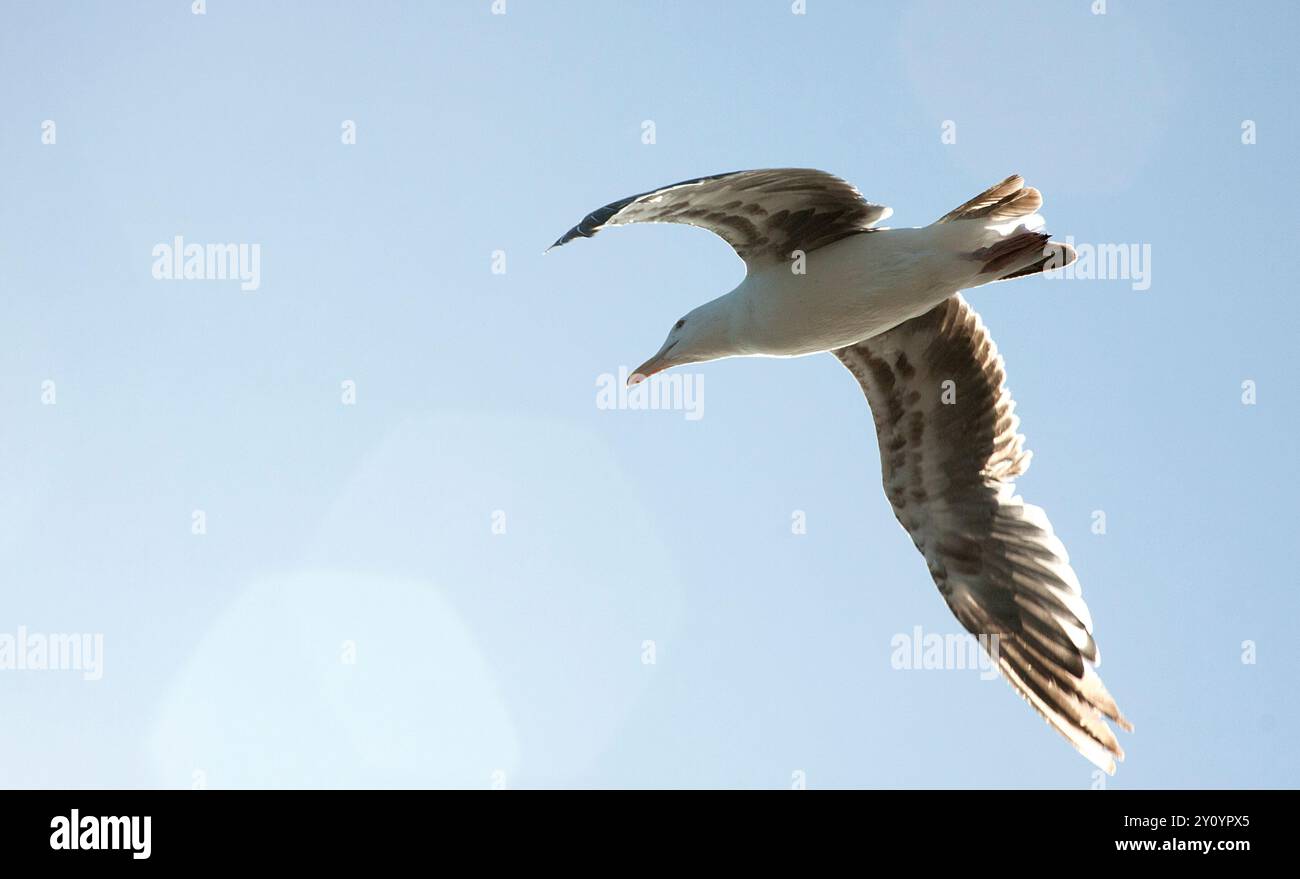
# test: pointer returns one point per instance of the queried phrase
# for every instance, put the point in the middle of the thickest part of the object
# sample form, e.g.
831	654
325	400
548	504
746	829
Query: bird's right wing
950	454
764	215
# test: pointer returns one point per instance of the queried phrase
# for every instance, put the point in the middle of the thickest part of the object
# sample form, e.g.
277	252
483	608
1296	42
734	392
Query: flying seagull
823	277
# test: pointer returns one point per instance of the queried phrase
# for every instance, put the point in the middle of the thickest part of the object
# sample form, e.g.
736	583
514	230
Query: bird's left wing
950	454
764	215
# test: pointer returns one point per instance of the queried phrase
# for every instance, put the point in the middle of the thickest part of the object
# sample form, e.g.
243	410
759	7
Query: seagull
821	276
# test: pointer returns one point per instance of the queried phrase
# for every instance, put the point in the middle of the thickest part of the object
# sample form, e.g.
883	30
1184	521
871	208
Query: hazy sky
457	568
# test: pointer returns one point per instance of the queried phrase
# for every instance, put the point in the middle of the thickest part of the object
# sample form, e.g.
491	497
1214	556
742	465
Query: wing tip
575	232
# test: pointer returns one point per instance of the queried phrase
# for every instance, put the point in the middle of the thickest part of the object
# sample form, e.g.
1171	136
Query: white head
704	334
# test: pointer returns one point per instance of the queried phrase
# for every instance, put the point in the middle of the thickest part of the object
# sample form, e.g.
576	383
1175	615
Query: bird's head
703	334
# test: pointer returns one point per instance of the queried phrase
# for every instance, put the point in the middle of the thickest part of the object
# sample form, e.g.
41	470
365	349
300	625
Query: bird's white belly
851	290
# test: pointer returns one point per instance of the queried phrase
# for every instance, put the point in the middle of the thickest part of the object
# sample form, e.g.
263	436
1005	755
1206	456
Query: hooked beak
658	363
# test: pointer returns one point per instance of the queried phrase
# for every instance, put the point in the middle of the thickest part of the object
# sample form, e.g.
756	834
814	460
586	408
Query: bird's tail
1006	221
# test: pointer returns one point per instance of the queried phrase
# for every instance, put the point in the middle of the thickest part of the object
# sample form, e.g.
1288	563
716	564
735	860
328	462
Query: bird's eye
681	323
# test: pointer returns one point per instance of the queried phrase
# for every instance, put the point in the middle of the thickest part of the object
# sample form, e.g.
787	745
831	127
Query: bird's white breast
848	291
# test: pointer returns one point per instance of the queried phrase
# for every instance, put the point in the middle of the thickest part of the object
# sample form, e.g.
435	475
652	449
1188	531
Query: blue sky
351	618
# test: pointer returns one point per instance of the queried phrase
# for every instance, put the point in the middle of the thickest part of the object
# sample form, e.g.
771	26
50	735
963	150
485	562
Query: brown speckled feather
763	214
950	454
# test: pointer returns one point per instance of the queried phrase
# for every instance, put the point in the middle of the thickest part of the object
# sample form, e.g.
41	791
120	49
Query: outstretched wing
950	455
764	215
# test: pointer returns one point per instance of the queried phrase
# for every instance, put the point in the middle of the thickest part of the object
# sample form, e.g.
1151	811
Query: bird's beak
658	363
